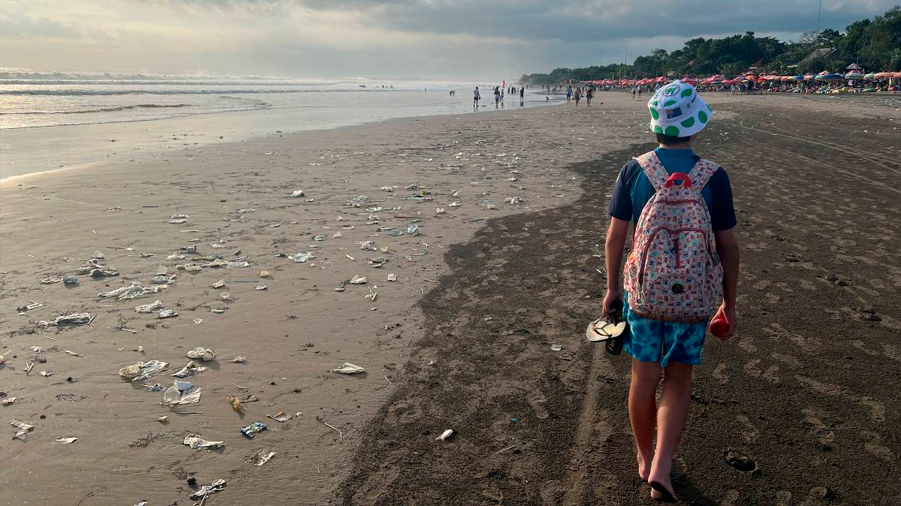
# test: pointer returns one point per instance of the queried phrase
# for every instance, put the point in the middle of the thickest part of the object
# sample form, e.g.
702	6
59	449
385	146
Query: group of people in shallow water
498	96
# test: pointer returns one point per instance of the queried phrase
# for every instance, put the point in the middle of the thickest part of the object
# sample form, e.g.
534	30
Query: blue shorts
659	341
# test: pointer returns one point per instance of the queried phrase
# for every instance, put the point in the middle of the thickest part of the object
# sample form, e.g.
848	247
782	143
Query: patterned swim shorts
659	341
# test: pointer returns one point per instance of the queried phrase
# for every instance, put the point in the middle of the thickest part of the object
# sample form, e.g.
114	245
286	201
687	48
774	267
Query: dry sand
529	269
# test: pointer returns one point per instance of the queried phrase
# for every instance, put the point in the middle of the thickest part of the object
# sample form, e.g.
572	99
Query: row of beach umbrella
752	77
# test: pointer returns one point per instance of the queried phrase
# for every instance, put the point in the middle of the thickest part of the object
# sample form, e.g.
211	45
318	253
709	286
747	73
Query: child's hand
729	314
611	297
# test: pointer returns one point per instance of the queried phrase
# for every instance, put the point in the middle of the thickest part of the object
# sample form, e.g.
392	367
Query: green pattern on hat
678	110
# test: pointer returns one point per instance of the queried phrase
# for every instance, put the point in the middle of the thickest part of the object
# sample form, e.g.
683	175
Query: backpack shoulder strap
653	169
701	173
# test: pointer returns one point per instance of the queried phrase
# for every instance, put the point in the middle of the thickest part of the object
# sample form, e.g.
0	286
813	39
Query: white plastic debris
348	368
440	210
358	280
167	313
392	277
368	246
219	284
133	291
301	257
260	288
297	193
206	490
24	429
189	370
196	442
198	321
260	457
142	370
280	417
556	347
150	308
225	296
444	435
98	255
240	359
46	374
72	319
201	353
181	392
515	200
66	440
413	230
8	401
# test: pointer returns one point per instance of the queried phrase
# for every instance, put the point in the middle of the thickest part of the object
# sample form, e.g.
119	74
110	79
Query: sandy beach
479	236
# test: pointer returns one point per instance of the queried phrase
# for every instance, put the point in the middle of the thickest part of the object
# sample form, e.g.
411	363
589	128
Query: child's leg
671	417
643	411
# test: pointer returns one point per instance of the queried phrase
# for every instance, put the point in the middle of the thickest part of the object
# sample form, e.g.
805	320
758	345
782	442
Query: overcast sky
446	39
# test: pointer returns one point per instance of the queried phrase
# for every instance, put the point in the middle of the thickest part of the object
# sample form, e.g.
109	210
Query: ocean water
51	120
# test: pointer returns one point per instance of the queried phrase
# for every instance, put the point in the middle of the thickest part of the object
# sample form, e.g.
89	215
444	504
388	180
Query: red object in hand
719	326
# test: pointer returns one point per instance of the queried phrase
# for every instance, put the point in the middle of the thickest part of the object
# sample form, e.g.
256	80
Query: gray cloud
426	38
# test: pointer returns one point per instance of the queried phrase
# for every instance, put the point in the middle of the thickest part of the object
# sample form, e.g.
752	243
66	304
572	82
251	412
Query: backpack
673	272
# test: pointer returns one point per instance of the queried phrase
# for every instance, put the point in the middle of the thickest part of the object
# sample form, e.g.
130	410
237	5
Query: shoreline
150	137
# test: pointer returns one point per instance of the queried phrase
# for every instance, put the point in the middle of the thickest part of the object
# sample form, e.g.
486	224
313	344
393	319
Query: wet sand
807	391
462	339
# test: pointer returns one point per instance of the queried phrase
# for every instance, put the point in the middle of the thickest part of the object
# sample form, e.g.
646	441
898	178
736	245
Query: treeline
875	44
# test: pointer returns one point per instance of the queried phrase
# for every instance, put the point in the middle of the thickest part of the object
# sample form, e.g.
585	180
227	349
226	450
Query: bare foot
661	483
644	467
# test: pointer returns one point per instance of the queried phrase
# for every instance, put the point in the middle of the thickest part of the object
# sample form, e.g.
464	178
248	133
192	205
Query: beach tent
870	76
854	75
809	77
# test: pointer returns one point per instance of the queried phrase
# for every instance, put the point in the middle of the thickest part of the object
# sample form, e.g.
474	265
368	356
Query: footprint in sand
537	401
751	368
749	432
719	372
877	409
770	374
814	418
873	445
783	498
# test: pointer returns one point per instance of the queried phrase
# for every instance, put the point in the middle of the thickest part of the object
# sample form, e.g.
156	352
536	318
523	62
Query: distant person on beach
578	95
569	92
640	89
588	96
475	98
666	307
497	96
634	91
522	95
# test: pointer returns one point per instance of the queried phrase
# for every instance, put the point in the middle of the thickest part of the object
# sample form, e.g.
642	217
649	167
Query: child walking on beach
684	259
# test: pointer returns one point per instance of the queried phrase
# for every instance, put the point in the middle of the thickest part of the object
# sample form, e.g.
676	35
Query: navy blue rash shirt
633	189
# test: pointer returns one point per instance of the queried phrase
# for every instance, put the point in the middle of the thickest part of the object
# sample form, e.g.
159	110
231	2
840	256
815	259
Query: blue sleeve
722	212
621	200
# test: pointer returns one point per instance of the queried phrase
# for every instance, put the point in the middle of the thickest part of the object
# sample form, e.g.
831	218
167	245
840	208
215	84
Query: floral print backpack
673	272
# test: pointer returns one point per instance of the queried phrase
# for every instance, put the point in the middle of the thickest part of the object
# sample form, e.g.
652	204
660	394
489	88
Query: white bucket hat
678	110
